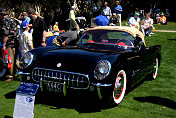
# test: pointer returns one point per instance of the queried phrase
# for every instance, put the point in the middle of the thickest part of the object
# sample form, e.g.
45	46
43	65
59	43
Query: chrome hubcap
118	86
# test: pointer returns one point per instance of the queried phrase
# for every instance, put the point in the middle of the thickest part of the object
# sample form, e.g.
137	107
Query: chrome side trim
64	89
102	85
21	73
41	85
99	91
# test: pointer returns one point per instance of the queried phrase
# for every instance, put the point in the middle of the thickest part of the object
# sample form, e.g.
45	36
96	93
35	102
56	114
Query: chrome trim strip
64	89
99	91
41	84
21	73
102	85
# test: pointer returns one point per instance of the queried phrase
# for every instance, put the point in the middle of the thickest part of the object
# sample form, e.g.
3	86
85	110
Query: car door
140	61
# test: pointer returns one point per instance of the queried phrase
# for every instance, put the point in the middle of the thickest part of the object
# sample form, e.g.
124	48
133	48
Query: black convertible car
106	62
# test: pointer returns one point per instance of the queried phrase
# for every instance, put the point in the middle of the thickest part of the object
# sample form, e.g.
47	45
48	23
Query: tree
58	10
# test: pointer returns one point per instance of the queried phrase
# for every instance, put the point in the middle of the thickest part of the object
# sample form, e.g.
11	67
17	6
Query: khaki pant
119	16
11	52
74	25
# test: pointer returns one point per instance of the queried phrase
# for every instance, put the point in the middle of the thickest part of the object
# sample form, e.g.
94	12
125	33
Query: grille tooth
68	79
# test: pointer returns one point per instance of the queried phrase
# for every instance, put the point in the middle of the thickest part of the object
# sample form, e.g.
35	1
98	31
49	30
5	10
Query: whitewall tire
155	69
119	87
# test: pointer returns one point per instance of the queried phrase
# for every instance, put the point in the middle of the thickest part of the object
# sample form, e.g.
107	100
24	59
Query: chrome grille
68	79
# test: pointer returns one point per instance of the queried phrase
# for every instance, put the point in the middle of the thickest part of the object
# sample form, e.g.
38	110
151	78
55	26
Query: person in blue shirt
24	17
118	10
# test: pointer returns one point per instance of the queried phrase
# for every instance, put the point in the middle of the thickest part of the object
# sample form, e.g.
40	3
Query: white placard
24	106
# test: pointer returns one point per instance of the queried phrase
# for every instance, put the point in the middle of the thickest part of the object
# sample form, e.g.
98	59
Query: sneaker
9	78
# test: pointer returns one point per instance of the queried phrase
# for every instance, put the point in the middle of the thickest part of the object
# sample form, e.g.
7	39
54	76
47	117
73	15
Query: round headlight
26	60
102	69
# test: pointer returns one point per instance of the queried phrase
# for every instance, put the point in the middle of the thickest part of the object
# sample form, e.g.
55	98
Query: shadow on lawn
171	39
157	100
8	117
80	104
10	95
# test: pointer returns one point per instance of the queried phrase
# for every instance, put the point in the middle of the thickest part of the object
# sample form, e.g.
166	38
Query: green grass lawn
152	99
169	26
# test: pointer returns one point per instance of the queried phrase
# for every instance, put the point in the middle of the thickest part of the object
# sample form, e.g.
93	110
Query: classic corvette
106	61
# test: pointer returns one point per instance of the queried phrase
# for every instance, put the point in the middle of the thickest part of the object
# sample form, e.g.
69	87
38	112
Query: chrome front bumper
92	86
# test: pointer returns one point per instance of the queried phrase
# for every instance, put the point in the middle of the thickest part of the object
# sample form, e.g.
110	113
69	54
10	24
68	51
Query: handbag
6	59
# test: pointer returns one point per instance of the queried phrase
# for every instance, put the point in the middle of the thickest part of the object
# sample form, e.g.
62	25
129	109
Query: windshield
106	40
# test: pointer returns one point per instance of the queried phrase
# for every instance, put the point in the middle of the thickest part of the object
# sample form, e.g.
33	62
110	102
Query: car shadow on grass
157	100
10	95
81	104
171	39
8	117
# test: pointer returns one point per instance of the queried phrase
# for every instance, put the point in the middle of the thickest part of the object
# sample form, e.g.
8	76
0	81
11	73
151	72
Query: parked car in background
106	62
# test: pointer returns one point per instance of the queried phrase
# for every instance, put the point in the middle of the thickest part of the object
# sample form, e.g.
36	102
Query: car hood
73	60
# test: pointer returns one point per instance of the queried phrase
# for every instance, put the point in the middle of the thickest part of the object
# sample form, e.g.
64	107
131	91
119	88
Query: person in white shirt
26	43
147	25
134	21
106	11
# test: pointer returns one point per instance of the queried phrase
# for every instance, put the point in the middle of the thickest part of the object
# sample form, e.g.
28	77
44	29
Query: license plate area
52	86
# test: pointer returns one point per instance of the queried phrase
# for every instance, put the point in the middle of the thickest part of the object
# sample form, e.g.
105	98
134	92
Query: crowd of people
138	20
114	17
32	28
27	32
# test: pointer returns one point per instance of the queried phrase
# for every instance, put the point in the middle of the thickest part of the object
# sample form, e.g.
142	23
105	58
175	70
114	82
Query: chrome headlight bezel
102	69
26	60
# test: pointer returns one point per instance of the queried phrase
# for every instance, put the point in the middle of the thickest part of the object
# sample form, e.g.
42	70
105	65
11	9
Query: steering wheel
125	42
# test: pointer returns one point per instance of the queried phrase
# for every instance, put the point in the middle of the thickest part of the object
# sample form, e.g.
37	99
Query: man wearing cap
73	23
106	11
134	21
163	19
24	17
39	29
26	38
9	37
118	10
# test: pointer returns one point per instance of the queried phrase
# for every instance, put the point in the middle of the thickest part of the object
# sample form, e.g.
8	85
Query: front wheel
2	70
119	87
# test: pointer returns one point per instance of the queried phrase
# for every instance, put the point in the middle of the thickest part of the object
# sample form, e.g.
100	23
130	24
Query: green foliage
58	10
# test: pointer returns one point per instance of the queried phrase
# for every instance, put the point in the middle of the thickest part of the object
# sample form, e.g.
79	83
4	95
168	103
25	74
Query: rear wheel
2	70
119	87
155	69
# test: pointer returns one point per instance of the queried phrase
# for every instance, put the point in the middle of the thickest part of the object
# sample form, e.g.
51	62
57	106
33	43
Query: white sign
24	106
